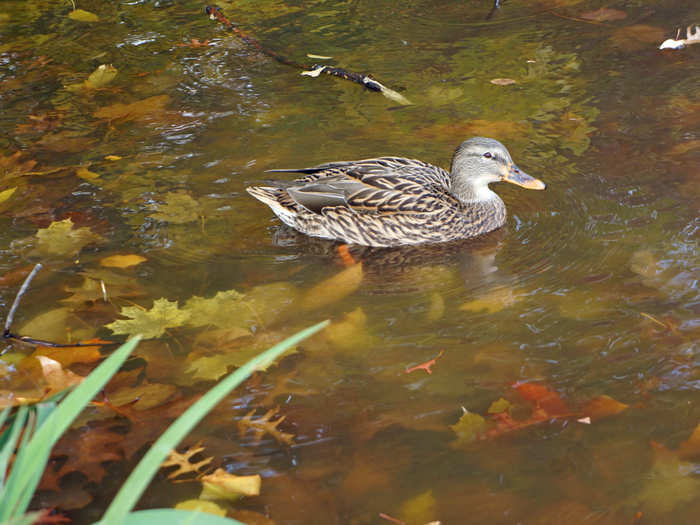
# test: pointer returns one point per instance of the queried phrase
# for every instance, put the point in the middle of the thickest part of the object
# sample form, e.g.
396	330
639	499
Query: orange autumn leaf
602	406
67	356
122	261
183	462
542	397
691	447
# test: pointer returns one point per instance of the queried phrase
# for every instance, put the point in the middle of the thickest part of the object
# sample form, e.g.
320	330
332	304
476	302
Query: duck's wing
383	185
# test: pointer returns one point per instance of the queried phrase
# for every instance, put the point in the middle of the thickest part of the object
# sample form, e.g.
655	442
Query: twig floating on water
366	81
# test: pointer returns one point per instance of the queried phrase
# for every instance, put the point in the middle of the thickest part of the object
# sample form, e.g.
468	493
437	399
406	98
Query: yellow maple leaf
150	323
61	238
122	261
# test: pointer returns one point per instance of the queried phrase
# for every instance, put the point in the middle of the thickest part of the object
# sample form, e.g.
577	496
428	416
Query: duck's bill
517	176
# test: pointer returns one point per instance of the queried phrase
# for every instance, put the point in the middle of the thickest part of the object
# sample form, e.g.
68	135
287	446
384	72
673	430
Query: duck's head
480	161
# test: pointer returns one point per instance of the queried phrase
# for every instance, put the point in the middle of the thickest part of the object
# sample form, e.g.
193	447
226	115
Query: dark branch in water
366	81
30	340
496	7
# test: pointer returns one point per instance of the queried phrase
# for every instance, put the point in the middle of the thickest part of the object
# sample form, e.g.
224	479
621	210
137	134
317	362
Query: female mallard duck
392	201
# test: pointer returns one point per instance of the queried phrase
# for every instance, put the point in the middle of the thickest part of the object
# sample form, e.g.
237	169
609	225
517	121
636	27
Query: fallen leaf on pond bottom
55	376
146	109
419	509
502	405
332	290
144	396
493	301
350	333
183	462
150	323
179	208
208	507
604	14
122	261
69	355
264	425
669	483
602	406
226	308
436	308
691	447
60	238
86	449
502	81
11	166
58	325
680	149
5	195
222	485
86	174
634	37
542	397
81	15
112	157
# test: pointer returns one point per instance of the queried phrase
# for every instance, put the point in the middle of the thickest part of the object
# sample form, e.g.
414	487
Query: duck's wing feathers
384	185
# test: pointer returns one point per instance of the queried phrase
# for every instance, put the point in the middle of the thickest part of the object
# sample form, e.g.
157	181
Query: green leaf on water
150	323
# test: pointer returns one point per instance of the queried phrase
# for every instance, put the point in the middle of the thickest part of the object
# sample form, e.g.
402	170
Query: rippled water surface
588	295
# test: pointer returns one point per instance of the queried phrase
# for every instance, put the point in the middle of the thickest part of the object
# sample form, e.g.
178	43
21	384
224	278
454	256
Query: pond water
580	315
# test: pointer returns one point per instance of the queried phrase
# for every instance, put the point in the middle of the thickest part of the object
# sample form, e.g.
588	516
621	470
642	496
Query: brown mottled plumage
393	201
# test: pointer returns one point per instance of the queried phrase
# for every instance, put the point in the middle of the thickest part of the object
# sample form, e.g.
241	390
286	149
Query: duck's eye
488	155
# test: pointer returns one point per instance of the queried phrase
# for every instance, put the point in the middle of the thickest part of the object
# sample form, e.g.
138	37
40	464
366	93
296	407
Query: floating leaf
122	261
179	208
469	427
222	485
502	81
83	16
60	238
334	289
150	323
102	76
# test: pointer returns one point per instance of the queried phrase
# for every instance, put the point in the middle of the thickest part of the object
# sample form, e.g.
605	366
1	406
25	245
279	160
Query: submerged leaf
83	16
150	323
140	110
334	289
183	462
102	76
179	208
468	429
208	507
122	261
5	195
60	238
602	406
222	485
604	14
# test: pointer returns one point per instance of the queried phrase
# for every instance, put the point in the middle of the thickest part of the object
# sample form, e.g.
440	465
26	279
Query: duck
396	201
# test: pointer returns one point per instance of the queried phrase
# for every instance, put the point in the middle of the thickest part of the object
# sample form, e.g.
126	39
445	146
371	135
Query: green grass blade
9	442
23	478
141	476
